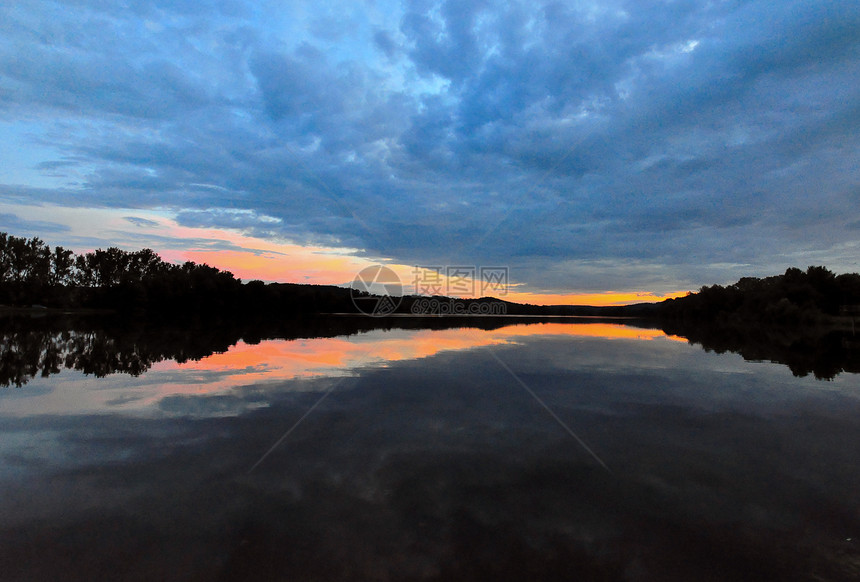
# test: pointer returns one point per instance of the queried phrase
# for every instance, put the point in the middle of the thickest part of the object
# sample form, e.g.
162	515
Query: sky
602	152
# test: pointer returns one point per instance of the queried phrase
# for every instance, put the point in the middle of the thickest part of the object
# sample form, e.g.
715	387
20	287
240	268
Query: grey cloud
210	406
175	243
140	222
18	226
385	43
247	221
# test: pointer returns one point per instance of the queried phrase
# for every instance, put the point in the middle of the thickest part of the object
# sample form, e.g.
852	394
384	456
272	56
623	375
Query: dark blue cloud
385	43
676	141
141	222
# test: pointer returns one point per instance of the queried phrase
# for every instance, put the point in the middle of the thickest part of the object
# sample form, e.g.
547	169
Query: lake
517	450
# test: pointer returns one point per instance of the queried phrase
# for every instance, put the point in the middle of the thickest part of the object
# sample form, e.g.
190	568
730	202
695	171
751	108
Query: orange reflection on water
273	360
245	373
279	360
597	330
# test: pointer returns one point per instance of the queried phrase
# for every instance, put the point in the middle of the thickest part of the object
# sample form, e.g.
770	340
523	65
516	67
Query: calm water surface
555	451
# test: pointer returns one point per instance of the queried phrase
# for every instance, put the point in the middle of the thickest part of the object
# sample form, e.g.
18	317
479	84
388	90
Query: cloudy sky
591	147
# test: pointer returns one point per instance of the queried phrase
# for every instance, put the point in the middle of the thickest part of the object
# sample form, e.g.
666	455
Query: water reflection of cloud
215	405
124	399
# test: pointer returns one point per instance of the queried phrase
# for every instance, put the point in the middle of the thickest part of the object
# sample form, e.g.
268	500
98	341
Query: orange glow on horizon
297	264
282	262
606	299
294	268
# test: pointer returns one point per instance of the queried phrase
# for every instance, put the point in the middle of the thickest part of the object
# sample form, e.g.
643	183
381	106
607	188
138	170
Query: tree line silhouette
808	297
32	273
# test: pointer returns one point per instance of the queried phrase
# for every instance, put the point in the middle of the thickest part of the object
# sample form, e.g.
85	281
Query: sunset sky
604	152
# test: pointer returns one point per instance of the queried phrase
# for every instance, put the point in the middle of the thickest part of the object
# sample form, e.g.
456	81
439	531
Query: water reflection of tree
24	355
101	346
39	348
823	352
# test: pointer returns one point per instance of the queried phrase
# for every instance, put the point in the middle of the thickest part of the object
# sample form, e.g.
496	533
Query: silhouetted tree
794	297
